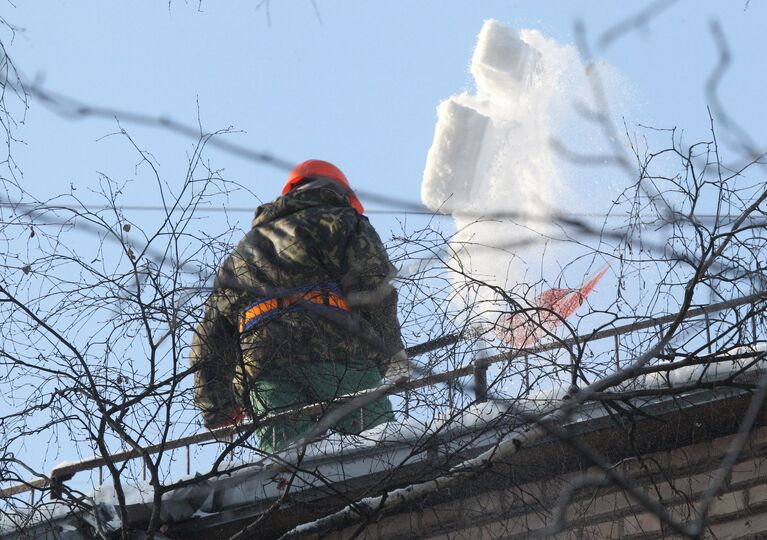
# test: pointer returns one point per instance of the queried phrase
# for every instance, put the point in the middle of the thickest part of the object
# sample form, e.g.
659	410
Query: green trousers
291	386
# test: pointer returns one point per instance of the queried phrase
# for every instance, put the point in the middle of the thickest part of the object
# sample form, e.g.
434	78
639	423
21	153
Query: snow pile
492	164
749	361
749	358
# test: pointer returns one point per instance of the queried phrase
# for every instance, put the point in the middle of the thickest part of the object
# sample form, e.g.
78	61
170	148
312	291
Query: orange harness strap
260	312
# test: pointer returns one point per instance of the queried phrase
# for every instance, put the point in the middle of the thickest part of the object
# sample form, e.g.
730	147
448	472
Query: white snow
713	371
492	153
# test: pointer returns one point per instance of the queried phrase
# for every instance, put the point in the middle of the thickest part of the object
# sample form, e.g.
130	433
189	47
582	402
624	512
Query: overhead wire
379	211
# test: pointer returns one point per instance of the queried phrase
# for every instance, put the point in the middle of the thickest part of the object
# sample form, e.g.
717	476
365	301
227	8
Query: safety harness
327	294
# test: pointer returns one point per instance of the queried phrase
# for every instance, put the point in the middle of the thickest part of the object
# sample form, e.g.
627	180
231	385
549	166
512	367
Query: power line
381	211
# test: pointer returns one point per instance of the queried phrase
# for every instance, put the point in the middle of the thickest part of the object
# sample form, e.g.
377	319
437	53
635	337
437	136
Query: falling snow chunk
452	160
502	61
493	167
491	151
494	143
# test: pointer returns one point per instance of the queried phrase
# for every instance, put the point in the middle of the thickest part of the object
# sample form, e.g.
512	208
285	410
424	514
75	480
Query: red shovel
548	311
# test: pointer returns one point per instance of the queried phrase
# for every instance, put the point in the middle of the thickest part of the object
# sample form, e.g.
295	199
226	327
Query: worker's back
314	240
308	244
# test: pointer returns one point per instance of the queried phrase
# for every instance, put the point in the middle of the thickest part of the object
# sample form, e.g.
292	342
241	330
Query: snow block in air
452	161
502	61
493	167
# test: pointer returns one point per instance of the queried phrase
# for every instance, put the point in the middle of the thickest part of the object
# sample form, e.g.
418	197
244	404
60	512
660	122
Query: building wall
676	478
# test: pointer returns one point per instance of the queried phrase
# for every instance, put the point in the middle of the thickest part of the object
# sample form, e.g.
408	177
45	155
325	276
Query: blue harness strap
326	294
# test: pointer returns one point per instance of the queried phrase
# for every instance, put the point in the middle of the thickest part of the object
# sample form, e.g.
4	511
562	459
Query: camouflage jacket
304	238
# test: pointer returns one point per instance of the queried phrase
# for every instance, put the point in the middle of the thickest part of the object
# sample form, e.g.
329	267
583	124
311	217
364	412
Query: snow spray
492	164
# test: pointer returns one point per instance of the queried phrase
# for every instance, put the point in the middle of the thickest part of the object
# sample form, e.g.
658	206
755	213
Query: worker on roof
302	311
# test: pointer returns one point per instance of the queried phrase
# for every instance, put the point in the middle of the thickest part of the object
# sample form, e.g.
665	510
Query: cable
384	211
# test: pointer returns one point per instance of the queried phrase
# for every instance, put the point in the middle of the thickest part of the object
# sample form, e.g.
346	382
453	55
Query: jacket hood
299	200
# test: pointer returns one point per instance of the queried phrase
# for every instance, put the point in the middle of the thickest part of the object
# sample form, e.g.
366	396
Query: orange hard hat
316	167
